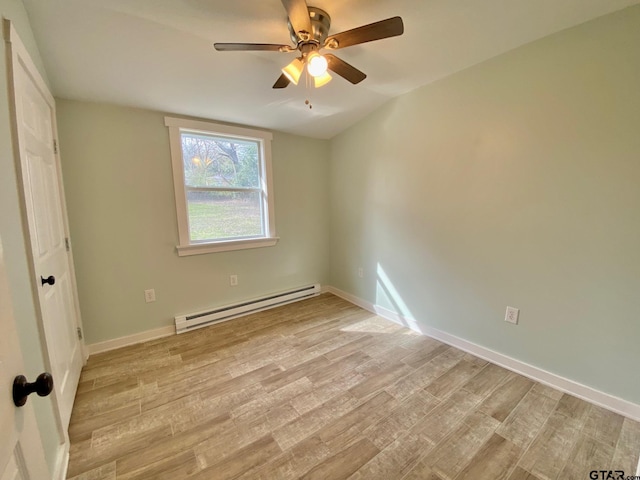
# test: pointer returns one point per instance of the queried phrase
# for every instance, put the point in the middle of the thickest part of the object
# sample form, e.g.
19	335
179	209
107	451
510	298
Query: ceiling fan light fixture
321	80
294	70
317	65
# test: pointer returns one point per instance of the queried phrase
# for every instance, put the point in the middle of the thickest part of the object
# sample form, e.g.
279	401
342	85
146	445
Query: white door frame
17	52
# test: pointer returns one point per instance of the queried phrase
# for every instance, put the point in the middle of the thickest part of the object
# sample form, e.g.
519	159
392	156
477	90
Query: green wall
119	189
14	241
515	182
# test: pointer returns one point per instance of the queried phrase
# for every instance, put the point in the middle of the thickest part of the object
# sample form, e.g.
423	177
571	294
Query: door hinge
79	330
66	244
55	147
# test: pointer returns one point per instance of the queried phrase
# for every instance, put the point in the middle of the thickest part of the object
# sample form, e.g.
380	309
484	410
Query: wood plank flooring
322	389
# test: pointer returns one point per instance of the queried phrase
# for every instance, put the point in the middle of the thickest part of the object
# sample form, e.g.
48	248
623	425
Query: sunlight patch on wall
387	296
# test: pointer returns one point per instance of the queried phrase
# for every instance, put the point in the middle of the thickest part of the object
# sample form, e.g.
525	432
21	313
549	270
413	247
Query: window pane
212	161
224	215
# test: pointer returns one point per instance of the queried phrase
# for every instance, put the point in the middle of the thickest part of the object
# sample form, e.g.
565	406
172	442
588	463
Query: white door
47	223
21	454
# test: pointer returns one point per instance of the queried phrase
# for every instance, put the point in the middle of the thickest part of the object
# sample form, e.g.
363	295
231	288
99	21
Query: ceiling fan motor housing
320	23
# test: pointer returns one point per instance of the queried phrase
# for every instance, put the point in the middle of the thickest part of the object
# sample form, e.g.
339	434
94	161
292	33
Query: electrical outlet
360	272
233	280
150	295
511	315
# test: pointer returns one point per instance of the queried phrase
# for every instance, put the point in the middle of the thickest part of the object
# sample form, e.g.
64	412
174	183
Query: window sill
199	248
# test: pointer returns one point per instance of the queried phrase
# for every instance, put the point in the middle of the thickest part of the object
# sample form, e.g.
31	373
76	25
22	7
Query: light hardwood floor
322	389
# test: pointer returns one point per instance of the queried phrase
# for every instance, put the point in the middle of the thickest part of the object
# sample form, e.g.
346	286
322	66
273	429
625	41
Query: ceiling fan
309	29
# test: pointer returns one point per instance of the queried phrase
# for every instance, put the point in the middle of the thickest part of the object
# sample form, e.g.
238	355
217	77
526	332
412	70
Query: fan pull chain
307	84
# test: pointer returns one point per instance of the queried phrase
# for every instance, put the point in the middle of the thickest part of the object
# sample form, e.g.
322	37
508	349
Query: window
222	181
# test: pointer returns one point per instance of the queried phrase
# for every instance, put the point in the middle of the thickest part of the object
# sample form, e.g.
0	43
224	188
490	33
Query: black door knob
22	389
50	280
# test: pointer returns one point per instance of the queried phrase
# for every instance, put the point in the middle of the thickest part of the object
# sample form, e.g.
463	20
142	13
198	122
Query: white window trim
186	247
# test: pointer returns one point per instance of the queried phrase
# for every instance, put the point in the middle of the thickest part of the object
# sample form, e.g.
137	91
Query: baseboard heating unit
186	323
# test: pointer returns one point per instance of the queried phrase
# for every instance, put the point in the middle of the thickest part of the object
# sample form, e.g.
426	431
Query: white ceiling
158	54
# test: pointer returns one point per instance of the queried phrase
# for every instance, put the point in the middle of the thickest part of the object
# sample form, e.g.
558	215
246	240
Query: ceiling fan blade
282	82
298	13
247	47
342	68
391	27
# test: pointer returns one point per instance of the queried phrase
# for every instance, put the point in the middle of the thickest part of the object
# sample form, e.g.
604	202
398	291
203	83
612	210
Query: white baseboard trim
131	339
62	462
597	397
